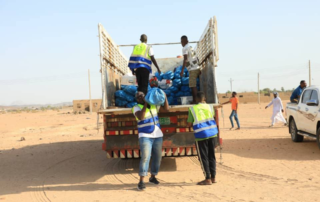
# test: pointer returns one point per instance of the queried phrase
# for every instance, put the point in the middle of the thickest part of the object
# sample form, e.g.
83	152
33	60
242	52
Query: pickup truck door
312	114
302	110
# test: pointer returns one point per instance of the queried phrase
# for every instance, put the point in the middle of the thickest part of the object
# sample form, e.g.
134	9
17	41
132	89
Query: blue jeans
150	147
235	115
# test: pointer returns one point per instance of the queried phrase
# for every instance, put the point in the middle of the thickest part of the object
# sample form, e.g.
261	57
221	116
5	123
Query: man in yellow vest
205	131
140	63
150	137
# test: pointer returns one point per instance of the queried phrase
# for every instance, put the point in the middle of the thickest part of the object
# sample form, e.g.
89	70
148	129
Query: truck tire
294	132
318	137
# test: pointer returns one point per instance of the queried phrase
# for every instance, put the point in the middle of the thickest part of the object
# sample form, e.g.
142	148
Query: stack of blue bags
180	87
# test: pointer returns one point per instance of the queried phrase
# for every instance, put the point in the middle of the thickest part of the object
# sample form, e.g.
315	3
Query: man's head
144	38
184	40
234	94
201	97
303	84
275	94
140	97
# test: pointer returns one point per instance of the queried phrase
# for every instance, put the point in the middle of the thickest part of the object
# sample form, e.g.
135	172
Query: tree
282	89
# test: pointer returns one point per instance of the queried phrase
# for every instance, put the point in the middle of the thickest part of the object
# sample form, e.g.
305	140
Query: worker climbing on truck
140	63
205	131
295	96
191	62
150	137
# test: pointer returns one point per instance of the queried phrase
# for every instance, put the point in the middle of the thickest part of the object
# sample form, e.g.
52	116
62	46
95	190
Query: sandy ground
61	160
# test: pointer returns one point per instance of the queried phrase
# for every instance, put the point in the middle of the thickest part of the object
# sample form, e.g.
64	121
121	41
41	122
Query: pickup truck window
306	96
314	95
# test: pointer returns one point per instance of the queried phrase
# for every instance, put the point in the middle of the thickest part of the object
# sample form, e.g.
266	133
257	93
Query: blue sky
46	48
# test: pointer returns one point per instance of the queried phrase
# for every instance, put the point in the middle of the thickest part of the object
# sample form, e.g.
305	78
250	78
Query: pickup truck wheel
294	132
318	137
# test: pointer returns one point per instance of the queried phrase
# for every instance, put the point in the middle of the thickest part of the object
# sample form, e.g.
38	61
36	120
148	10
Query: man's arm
155	63
185	58
165	107
226	102
269	104
281	105
141	114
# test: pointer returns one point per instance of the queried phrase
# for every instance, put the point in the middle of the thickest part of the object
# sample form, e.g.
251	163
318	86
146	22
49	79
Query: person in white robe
277	110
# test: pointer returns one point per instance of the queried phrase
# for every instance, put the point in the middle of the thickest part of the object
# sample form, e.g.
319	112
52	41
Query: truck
304	116
120	132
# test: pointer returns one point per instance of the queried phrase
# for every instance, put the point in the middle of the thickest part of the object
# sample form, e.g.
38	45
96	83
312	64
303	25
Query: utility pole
258	88
309	73
90	105
231	84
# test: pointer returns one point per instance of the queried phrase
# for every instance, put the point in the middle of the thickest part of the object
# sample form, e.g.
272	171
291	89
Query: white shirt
155	134
277	104
186	50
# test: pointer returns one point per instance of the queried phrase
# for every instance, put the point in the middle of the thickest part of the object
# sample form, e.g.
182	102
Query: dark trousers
142	75
207	157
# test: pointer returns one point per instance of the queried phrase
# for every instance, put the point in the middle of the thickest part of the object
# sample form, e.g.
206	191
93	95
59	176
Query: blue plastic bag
121	94
155	96
120	102
159	76
173	89
179	68
176	82
167	92
123	87
187	93
185	81
131	104
170	100
130	98
132	90
168	75
185	88
179	94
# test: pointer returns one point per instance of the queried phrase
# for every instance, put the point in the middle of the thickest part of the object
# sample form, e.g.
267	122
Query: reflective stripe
139	59
194	115
205	128
202	121
147	124
139	62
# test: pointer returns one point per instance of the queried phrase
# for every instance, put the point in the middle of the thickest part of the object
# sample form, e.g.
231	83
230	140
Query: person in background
234	107
190	61
150	137
277	110
205	131
140	63
295	96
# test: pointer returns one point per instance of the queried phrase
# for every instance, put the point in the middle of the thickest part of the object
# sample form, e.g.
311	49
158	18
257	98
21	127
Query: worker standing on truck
150	137
295	96
277	110
234	107
191	62
205	131
140	63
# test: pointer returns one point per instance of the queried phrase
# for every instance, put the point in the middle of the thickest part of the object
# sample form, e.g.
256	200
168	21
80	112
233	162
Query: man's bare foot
205	182
238	129
213	180
232	128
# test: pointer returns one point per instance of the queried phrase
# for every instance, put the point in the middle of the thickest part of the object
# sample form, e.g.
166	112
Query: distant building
83	105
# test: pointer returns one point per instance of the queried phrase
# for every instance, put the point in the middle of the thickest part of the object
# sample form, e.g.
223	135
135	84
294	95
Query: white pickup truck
304	117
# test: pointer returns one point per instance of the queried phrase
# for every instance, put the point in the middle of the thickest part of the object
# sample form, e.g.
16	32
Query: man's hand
266	107
159	71
181	73
282	110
